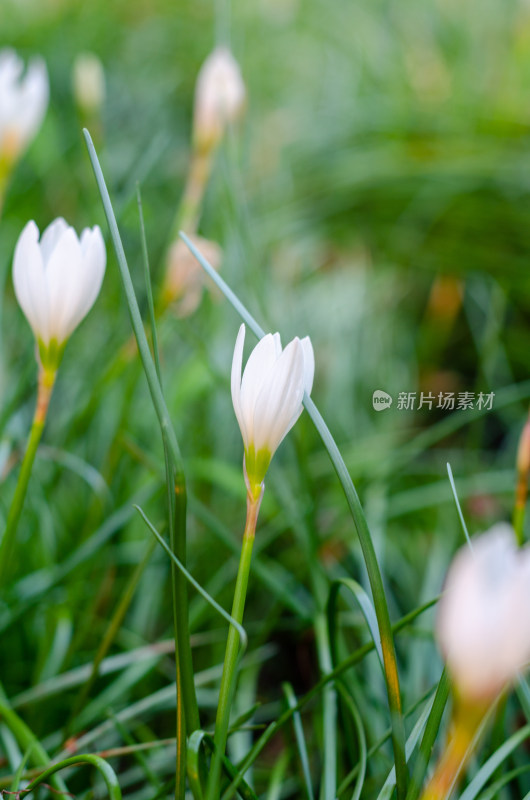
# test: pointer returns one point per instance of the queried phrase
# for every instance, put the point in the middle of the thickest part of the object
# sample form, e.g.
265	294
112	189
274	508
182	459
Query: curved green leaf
365	605
108	774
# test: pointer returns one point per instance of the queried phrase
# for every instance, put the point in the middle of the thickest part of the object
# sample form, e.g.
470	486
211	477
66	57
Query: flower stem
521	488
4	177
464	725
226	692
46	381
180	608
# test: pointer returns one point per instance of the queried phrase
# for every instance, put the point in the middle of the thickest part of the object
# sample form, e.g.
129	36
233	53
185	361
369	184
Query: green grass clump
373	196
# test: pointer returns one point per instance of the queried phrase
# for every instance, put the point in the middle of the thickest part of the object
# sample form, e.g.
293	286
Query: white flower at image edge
57	281
23	102
268	398
483	624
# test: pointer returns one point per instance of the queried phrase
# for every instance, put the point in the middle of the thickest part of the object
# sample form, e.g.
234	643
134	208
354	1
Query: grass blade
370	558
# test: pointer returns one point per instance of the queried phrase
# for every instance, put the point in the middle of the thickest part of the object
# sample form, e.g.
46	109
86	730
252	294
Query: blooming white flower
483	624
57	281
268	399
23	103
219	97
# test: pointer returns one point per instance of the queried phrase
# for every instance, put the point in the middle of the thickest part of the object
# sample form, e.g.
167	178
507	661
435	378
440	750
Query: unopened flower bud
88	83
268	398
185	277
219	98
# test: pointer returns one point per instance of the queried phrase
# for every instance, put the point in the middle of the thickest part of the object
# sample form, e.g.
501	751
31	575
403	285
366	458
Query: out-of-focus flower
57	281
219	97
268	399
184	275
483	624
88	81
23	103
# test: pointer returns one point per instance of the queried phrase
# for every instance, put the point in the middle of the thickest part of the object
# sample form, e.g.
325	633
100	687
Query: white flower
88	81
268	399
23	102
483	624
57	281
184	275
219	97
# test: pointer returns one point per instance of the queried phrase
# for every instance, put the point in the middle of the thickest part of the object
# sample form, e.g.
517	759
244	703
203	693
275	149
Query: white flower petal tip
483	622
268	398
57	280
23	103
219	97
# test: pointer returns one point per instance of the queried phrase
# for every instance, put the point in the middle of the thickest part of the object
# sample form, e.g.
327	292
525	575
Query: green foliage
374	196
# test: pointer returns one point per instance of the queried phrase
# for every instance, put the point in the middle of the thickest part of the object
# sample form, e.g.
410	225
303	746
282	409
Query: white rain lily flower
268	399
57	281
483	624
219	97
88	81
23	103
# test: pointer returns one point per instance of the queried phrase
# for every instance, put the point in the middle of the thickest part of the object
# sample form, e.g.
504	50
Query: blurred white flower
268	399
483	623
219	97
184	275
23	103
57	281
88	81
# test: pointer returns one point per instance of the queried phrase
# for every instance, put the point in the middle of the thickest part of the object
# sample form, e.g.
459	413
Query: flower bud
219	98
56	282
268	399
184	275
88	81
23	103
483	623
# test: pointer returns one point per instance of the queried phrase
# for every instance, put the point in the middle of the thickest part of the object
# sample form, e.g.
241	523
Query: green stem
329	698
367	546
4	177
518	523
46	381
226	691
178	545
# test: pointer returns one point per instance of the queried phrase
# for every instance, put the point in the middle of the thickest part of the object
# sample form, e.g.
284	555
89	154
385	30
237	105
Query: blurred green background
375	197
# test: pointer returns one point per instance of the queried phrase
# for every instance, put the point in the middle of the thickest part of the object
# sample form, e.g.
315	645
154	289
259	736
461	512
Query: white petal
51	236
256	375
65	285
94	259
30	282
32	100
237	361
483	623
280	400
309	363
